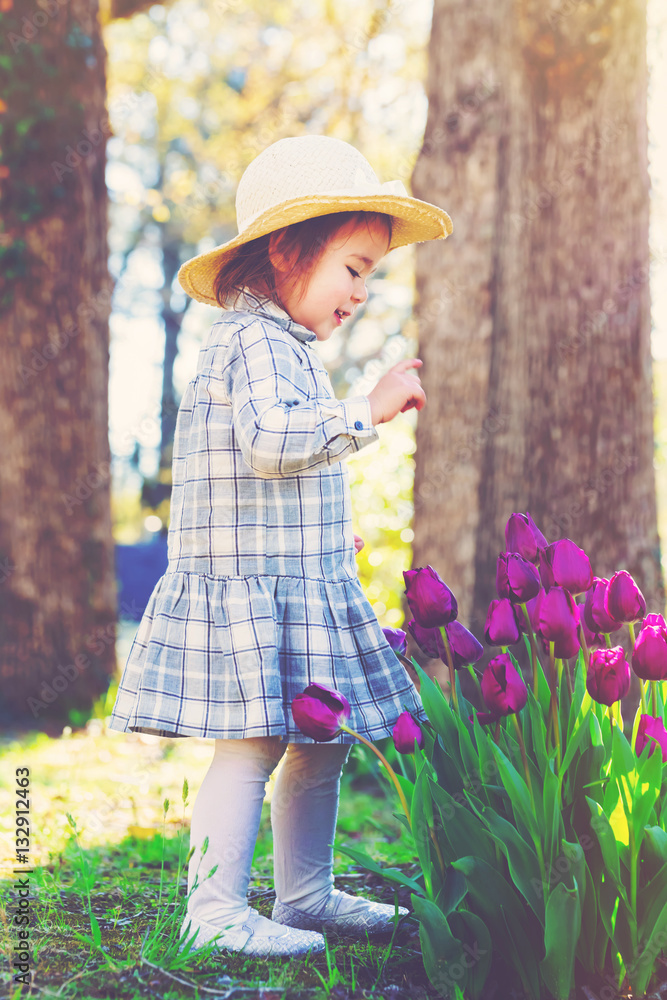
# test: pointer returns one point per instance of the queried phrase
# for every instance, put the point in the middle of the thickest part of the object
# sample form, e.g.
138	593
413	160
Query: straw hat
300	178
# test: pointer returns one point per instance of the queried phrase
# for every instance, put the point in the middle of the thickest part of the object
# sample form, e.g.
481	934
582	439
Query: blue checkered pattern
261	596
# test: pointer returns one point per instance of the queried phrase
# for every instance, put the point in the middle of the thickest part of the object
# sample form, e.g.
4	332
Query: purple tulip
531	608
558	621
608	677
649	657
564	564
463	644
431	601
624	600
593	639
426	638
502	687
501	628
651	730
320	711
516	578
405	732
595	613
397	639
523	536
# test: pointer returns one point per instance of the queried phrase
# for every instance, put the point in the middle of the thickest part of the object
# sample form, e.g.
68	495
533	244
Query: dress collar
248	301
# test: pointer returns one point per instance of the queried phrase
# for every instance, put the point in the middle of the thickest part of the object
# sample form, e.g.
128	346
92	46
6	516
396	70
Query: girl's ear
282	258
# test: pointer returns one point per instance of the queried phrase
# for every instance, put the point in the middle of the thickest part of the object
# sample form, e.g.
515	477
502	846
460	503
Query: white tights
228	808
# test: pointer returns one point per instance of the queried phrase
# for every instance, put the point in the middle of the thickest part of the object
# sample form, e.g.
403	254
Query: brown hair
249	266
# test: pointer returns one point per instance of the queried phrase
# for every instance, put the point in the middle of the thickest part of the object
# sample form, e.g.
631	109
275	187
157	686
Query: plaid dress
261	595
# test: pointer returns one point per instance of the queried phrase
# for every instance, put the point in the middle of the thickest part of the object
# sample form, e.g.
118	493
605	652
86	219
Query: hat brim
413	221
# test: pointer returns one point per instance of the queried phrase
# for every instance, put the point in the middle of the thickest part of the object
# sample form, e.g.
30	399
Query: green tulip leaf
642	810
488	769
436	707
477	947
649	772
422	823
524	962
642	969
651	900
655	849
517	790
469	756
517	936
538	729
452	891
449	775
441	951
521	860
590	924
623	759
605	835
561	932
461	828
391	874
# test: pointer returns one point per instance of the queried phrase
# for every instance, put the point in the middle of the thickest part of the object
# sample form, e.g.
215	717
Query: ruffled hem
223	657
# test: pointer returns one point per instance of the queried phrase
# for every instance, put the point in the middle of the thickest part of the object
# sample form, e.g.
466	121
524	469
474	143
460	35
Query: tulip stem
642	690
533	650
450	664
389	769
473	674
568	677
607	639
584	646
631	628
522	748
654	698
554	701
610	713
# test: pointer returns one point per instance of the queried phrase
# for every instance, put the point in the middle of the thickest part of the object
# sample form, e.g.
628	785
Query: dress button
358	425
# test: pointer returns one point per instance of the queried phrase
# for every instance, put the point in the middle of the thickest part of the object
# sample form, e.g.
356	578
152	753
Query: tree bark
57	589
534	315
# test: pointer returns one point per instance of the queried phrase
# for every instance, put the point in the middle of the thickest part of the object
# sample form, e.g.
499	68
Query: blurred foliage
381	483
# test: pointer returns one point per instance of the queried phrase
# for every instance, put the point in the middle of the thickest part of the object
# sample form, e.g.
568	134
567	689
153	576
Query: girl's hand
358	544
396	392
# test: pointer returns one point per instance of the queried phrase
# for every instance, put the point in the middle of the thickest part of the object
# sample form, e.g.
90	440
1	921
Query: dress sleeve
281	429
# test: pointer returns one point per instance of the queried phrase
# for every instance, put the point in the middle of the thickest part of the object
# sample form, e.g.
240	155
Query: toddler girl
261	596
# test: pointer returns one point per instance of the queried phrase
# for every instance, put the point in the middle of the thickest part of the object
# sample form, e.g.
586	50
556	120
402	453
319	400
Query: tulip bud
502	687
651	730
608	677
557	621
463	644
431	601
597	618
523	536
593	639
501	628
397	639
564	564
649	657
405	732
320	711
624	600
516	578
426	638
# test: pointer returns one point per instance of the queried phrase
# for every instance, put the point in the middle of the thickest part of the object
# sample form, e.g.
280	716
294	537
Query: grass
110	818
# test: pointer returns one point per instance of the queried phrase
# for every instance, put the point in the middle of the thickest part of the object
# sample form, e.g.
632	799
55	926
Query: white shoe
254	935
346	914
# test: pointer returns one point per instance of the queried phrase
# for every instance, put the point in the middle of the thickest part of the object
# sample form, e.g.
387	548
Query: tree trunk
534	315
57	585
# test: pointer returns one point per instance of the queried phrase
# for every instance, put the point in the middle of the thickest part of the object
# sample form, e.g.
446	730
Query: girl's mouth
340	315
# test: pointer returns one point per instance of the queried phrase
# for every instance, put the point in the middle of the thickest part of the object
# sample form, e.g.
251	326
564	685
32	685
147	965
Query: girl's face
337	283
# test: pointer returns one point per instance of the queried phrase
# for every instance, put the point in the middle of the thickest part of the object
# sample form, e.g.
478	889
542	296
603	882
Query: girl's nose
360	292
